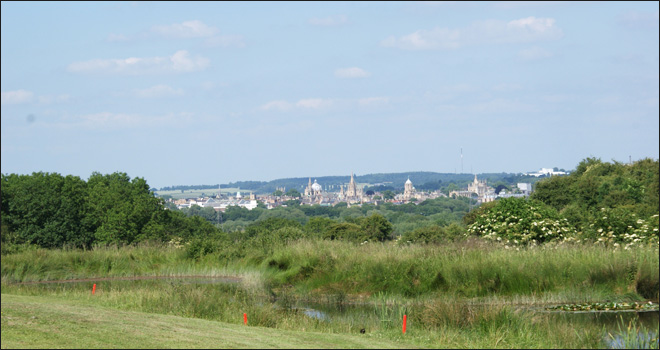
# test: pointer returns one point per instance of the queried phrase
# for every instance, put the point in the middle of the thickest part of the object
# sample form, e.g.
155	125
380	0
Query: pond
207	291
613	323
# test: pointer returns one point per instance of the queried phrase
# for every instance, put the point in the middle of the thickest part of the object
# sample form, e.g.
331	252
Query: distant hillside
422	180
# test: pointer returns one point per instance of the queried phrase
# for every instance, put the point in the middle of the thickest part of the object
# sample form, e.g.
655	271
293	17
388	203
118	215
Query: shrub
520	221
428	234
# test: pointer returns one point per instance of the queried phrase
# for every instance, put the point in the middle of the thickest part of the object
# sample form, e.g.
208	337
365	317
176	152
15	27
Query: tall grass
467	269
632	336
431	324
142	260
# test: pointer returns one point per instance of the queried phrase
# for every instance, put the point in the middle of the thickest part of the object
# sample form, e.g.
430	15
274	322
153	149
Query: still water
612	322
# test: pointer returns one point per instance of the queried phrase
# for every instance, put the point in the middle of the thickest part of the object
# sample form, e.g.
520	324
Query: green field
486	297
56	322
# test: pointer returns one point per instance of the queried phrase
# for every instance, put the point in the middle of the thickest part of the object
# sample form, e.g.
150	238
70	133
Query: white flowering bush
618	227
519	221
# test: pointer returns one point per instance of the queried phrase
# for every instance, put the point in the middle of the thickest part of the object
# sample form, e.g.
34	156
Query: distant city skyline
188	93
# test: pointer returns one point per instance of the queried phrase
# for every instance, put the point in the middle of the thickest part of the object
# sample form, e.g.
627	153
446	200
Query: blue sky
213	92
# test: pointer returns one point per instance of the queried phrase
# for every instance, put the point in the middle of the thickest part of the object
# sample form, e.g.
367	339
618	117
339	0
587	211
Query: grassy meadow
468	294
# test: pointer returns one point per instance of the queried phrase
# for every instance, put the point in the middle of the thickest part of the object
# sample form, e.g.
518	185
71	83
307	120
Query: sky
188	93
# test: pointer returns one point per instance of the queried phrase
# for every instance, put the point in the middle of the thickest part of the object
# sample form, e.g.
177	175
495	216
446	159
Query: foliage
207	213
612	203
360	229
520	221
45	209
434	234
428	234
198	247
317	227
293	193
49	210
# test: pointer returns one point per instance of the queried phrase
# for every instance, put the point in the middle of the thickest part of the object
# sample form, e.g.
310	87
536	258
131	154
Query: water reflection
646	323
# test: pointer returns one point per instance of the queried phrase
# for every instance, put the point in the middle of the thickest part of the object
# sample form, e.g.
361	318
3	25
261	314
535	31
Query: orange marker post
404	324
245	319
94	288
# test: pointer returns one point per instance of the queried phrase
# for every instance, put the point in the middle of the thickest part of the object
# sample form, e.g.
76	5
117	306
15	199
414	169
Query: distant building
546	172
484	192
313	189
352	193
408	190
480	187
525	188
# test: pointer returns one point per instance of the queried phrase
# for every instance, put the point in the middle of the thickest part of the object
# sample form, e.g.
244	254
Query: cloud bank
524	30
16	97
180	62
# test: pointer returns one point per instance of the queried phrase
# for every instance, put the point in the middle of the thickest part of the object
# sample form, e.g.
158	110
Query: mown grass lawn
47	322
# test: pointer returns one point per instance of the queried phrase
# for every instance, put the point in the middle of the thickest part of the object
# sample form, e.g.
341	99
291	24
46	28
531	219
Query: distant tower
461	160
353	192
408	190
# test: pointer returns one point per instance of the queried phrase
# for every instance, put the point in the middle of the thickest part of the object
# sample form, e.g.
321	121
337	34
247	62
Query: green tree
293	193
427	234
318	226
344	231
44	209
376	228
118	208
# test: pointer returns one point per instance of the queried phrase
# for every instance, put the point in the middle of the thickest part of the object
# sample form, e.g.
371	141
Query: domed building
313	190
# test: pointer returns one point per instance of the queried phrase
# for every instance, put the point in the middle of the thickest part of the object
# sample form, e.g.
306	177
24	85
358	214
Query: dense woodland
611	203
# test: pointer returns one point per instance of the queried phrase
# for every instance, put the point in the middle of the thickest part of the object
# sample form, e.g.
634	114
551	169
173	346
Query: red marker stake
94	289
404	324
245	319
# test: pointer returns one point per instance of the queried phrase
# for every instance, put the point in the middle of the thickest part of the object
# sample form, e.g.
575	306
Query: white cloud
277	105
373	101
16	97
158	91
506	87
108	120
187	29
309	103
353	72
640	20
117	38
314	103
522	30
48	99
534	53
179	62
225	41
437	38
501	105
329	21
531	29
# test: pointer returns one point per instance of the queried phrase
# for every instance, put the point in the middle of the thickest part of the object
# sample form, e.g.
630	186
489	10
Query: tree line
50	210
599	201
